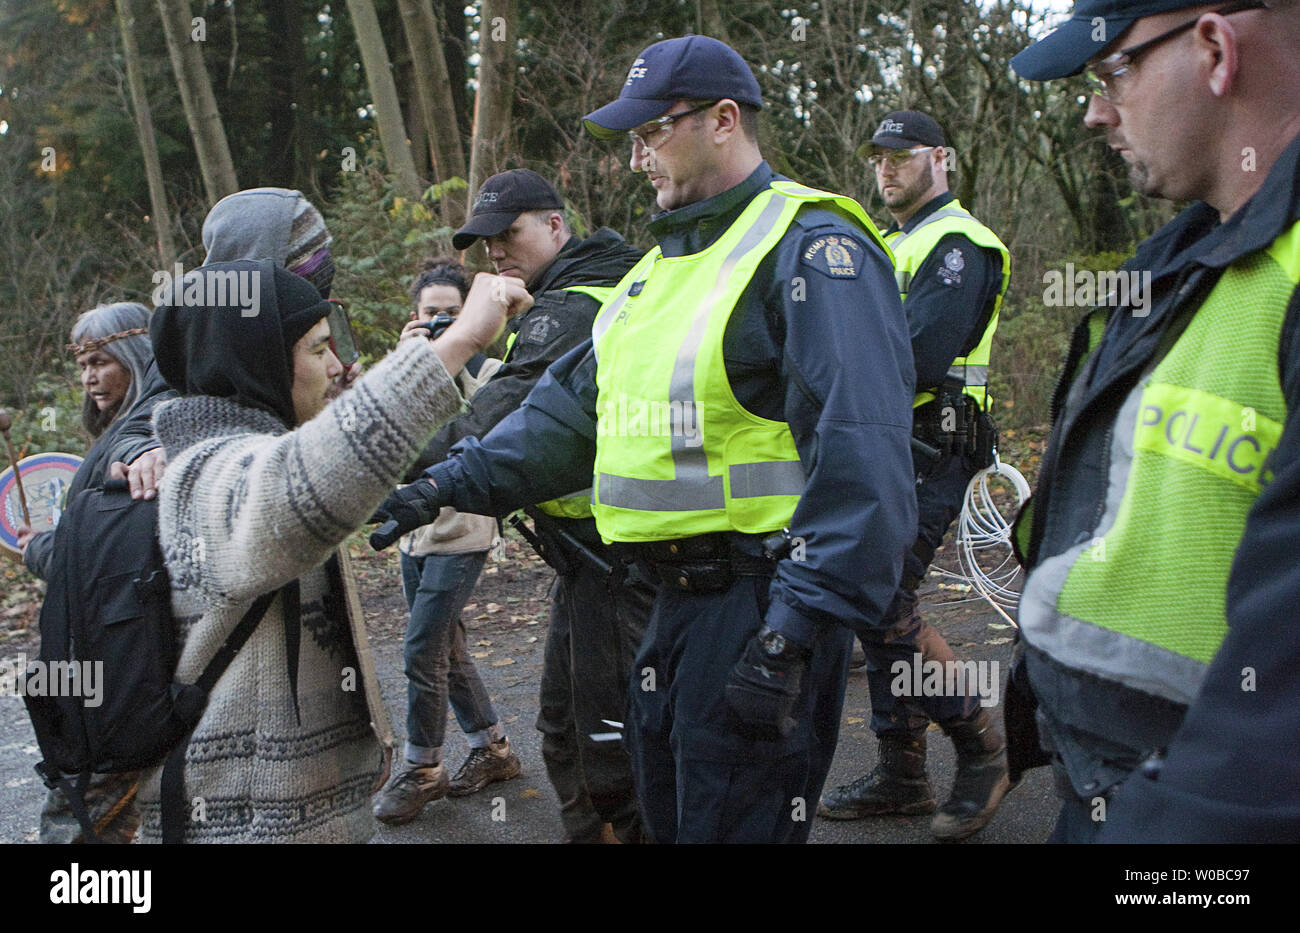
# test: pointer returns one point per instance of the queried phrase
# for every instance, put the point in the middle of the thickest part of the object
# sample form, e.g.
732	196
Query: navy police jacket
1231	771
832	359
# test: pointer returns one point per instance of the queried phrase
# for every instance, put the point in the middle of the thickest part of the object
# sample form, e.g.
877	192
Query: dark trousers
903	633
1077	823
596	626
698	779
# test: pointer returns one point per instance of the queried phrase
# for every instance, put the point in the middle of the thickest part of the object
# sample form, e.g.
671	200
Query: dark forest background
387	114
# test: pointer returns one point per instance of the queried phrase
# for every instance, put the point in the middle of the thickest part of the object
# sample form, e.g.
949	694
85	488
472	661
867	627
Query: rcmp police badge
953	263
834	256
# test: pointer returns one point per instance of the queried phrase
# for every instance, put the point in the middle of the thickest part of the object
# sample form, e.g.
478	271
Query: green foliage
380	239
1032	339
51	420
1028	351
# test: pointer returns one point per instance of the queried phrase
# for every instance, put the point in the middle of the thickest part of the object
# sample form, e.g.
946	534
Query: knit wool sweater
246	508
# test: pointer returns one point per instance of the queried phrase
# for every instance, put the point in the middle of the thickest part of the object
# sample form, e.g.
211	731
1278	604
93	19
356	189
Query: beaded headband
94	344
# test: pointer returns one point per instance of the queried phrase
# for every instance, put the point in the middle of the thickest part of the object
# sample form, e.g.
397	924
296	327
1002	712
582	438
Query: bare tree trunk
708	19
455	52
144	130
433	92
284	38
496	89
383	93
200	105
419	133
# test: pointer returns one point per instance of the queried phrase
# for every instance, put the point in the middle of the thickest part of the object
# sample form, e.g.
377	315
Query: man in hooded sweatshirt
279	224
267	477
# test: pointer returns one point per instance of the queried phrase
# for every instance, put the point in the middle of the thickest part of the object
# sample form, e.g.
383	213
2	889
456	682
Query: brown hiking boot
981	778
897	785
407	791
485	766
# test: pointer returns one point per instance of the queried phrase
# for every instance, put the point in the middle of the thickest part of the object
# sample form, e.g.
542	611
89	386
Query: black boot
981	778
897	785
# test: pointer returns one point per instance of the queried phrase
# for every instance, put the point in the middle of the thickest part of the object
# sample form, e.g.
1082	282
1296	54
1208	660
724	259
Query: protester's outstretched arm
543	450
257	511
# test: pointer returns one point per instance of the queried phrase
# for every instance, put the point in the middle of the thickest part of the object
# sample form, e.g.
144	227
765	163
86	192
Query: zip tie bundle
981	528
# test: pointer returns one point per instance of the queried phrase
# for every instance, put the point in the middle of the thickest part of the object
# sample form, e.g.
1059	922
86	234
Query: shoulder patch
953	262
836	255
540	329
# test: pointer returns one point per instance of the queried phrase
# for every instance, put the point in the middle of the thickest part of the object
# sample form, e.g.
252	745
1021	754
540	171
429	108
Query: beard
908	198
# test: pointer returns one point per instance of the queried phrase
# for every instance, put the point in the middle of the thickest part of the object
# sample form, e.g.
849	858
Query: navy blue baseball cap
1093	25
689	68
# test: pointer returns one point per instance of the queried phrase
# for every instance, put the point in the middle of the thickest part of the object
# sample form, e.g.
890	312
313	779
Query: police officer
1158	621
952	272
597	614
751	374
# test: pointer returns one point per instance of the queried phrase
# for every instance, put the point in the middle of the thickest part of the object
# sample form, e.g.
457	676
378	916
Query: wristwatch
779	648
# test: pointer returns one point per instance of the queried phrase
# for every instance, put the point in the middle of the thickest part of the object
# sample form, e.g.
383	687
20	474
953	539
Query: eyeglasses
654	134
1101	77
895	158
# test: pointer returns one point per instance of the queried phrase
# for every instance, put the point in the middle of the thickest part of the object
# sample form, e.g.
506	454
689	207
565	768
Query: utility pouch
983	453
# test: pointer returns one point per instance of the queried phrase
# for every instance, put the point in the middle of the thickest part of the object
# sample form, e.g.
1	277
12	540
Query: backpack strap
291	606
73	787
193	698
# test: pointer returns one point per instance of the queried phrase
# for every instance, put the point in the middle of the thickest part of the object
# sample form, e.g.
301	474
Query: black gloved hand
404	510
764	685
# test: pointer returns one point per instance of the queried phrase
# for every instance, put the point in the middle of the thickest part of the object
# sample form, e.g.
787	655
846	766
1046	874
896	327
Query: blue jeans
438	666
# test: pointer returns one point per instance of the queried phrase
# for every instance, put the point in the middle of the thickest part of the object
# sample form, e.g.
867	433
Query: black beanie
228	329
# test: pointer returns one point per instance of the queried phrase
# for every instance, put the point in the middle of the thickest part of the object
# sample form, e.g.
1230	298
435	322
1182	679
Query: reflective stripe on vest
1143	603
676	454
575	504
911	249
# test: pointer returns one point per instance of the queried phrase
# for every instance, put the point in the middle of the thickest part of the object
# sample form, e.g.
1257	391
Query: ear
556	222
727	114
1216	43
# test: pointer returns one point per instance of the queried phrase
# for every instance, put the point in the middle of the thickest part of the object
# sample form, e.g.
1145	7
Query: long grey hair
135	353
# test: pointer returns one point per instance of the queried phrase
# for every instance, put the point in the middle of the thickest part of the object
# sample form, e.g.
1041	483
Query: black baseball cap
689	68
1093	25
502	198
904	129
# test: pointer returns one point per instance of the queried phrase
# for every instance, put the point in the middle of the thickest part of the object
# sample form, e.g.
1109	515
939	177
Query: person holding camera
441	563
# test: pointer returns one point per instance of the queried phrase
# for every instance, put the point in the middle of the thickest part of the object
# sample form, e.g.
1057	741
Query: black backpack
108	605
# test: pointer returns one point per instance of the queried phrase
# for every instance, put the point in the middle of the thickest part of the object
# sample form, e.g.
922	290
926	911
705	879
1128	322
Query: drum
46	478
